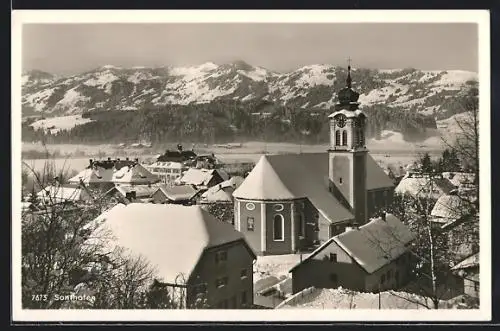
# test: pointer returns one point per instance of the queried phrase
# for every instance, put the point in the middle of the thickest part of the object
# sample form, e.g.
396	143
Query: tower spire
349	80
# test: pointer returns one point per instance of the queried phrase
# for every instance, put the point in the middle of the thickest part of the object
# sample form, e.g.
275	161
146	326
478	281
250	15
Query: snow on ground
139	76
71	99
275	265
194	71
60	123
39	99
101	79
313	75
454	79
346	299
391	140
258	74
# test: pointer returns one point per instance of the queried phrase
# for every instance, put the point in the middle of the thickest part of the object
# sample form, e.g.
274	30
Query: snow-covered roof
178	192
171	237
220	195
372	245
63	193
294	176
197	177
470	262
93	175
135	174
416	185
459	178
376	243
347	113
451	206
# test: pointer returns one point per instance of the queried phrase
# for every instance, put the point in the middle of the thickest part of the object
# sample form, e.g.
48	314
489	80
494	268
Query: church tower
347	152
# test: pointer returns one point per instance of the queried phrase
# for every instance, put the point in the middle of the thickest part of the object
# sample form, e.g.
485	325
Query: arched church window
337	138
278	225
344	138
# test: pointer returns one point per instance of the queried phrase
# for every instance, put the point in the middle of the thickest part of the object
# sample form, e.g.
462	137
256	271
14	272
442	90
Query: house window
333	257
250	224
221	282
243	297
278	225
389	274
344	138
250	206
278	207
243	273
337	138
301	226
333	278
382	279
220	256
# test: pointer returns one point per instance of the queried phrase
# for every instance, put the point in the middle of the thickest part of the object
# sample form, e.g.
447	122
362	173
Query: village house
454	215
197	257
63	193
180	155
370	258
176	194
468	271
202	179
133	193
104	174
222	192
419	185
168	172
290	202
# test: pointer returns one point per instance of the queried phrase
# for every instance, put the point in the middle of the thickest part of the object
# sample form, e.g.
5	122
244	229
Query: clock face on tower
341	121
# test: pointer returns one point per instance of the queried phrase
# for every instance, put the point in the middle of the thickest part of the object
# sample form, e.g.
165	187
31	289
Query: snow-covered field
346	299
55	124
75	157
275	265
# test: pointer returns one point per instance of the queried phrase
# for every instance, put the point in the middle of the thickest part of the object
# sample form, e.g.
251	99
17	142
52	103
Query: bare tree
432	248
465	142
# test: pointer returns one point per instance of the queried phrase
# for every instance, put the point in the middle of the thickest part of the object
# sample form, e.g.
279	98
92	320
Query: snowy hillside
309	87
56	124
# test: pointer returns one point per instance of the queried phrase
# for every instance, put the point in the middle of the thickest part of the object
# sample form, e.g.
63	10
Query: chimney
126	158
90	162
109	159
383	215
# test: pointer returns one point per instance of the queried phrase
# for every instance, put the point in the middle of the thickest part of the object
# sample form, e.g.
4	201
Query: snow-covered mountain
313	86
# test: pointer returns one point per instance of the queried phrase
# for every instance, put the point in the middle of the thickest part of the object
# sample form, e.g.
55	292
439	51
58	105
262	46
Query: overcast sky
73	48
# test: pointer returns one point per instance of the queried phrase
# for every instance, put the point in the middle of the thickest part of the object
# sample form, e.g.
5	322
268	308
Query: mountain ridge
314	86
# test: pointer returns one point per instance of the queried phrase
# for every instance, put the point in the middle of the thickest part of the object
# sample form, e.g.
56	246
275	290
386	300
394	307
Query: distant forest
226	121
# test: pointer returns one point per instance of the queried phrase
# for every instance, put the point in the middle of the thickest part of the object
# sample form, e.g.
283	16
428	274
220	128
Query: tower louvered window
344	138
337	138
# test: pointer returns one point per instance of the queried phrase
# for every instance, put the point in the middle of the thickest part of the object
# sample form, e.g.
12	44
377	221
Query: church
294	202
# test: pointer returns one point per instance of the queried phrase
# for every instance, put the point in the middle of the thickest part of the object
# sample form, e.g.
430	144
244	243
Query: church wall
253	237
279	246
341	173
